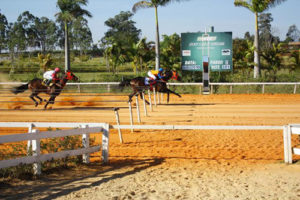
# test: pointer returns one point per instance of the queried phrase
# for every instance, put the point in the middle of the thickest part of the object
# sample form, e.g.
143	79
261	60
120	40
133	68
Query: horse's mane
168	75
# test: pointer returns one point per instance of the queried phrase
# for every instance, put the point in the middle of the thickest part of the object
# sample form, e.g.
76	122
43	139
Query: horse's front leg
33	99
41	100
168	96
131	95
174	93
141	95
51	100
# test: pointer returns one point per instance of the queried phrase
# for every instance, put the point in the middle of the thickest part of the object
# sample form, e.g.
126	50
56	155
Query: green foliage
170	52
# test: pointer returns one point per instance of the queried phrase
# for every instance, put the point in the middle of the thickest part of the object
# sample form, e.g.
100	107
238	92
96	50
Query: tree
120	38
141	54
266	38
153	4
273	58
46	33
27	22
3	32
293	34
170	51
243	55
69	11
121	29
16	38
257	6
116	54
82	35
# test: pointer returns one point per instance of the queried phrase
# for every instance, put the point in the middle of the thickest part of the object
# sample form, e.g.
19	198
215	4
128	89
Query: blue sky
187	16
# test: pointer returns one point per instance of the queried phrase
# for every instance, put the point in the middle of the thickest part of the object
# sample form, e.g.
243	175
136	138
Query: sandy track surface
180	164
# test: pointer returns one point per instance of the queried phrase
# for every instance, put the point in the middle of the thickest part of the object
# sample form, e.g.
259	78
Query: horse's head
172	75
70	76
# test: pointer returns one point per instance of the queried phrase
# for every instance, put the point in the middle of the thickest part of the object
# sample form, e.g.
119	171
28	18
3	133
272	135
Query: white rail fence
230	85
289	150
34	136
287	131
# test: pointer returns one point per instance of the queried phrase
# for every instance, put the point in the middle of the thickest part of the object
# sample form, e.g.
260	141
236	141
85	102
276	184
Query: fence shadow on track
51	188
71	108
191	104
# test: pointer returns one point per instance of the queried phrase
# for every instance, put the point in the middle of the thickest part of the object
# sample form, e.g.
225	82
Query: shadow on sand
66	181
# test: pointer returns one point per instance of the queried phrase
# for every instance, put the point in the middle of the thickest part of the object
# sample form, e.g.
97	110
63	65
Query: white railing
230	85
289	150
34	136
287	131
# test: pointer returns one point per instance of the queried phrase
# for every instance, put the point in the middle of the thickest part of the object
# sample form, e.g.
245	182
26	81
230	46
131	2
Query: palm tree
257	6
69	11
153	4
141	53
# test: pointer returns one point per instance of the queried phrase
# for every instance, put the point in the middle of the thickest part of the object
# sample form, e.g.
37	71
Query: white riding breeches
151	75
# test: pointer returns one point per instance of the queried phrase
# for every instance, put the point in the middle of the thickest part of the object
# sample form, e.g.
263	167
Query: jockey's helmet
57	69
160	69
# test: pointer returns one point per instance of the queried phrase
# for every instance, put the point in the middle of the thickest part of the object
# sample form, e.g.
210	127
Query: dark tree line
31	33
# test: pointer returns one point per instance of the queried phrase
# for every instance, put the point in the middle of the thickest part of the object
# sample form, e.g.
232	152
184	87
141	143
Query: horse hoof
36	104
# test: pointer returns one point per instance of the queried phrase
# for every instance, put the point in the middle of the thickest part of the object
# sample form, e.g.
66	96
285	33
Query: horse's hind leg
33	99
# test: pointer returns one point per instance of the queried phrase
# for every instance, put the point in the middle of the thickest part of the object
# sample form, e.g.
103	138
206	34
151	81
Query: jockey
51	76
153	76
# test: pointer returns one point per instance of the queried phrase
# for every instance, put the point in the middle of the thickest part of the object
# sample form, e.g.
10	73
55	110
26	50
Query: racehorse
138	85
36	86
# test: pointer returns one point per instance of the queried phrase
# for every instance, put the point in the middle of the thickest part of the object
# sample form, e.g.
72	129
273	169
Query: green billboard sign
216	45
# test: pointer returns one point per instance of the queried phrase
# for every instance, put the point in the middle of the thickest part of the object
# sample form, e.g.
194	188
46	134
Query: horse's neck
63	82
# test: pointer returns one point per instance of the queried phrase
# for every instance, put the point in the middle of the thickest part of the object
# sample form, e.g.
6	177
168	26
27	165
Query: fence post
150	101
85	144
144	102
289	144
118	123
105	143
138	109
30	128
263	88
211	89
130	115
230	89
78	88
295	88
108	87
285	144
36	151
154	96
200	89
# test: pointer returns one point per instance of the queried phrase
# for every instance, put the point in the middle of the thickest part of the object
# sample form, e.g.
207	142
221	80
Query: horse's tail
20	88
124	83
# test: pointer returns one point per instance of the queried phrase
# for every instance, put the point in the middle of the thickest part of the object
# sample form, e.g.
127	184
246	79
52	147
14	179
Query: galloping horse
138	85
36	86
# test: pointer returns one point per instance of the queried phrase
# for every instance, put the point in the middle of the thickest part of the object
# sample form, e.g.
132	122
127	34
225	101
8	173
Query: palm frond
243	3
141	4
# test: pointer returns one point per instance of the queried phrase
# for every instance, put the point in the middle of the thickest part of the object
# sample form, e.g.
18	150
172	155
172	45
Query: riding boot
151	83
48	82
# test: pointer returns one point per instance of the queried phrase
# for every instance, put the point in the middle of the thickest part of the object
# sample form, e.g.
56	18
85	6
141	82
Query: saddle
48	83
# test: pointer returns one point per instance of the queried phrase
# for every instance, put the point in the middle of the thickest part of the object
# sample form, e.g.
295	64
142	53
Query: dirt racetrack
180	164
